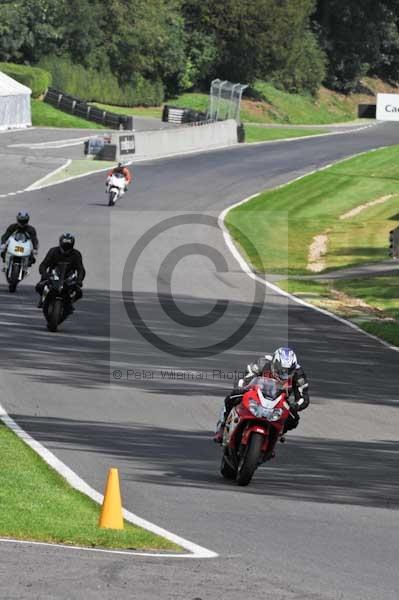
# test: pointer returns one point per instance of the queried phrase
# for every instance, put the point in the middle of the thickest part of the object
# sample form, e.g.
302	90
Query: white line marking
309	137
104	550
51	144
46	185
247	269
79	484
36	185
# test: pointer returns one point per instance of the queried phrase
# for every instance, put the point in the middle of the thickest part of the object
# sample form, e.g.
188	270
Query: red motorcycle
253	428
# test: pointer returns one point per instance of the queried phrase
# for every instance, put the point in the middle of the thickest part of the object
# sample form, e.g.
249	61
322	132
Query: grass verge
284	221
38	504
370	302
76	168
264	134
45	115
267	104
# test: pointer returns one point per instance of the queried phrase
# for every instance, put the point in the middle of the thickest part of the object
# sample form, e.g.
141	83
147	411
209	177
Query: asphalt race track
320	522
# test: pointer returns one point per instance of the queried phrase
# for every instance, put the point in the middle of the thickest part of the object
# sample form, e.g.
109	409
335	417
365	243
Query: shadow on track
314	470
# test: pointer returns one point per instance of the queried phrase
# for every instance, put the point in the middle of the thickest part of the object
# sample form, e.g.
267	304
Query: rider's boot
218	436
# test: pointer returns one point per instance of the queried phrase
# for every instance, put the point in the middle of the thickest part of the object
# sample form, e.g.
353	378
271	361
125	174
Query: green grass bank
38	504
353	205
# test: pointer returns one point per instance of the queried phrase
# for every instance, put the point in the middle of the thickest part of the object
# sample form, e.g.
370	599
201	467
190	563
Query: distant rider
123	170
284	368
63	253
21	226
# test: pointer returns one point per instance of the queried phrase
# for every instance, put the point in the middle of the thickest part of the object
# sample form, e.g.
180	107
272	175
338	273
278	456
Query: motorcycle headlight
255	409
276	414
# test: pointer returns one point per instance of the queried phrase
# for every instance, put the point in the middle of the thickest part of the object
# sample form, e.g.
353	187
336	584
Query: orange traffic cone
111	511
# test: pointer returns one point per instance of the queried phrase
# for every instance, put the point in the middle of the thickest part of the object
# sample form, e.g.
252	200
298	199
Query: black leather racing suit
298	386
53	258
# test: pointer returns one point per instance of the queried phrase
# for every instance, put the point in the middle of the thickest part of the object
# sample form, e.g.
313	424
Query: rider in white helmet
282	366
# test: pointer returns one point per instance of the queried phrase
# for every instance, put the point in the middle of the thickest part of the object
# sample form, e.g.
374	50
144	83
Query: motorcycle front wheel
112	198
14	278
226	470
249	461
54	314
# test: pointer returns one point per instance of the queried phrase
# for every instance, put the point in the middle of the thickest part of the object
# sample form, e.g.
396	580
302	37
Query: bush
103	87
38	80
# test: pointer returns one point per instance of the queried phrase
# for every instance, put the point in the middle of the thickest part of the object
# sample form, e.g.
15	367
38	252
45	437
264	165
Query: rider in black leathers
63	253
21	225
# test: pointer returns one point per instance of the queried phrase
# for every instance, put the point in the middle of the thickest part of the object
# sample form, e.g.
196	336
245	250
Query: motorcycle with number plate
253	429
58	295
116	187
17	262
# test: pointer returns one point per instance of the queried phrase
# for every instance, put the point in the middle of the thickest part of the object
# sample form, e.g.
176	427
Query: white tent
15	109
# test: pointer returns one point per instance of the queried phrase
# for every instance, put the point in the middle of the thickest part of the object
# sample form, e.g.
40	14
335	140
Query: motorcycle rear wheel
249	462
14	278
54	315
226	470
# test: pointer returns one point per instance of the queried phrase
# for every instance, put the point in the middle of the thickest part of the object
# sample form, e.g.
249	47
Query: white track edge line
103	550
309	137
247	269
79	484
36	185
49	144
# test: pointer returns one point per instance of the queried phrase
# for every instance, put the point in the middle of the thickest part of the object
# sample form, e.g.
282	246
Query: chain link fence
225	100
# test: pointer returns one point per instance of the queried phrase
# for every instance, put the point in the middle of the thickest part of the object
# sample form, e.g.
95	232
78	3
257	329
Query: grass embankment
285	221
313	205
255	133
266	104
38	504
45	115
195	101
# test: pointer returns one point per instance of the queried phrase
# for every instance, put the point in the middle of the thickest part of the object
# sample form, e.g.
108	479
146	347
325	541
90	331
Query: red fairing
253	428
248	423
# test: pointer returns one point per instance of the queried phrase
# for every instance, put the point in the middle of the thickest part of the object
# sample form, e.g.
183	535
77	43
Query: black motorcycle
59	294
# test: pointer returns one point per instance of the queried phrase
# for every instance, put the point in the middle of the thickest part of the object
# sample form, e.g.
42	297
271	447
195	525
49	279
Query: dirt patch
354	305
258	108
355	211
317	250
348	306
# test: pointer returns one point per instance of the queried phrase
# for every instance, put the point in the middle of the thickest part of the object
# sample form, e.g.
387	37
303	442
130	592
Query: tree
359	38
269	39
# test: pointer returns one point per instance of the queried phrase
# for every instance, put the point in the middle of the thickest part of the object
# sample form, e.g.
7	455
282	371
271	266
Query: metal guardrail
80	108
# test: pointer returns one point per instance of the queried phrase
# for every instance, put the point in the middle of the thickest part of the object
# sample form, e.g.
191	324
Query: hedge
38	80
103	87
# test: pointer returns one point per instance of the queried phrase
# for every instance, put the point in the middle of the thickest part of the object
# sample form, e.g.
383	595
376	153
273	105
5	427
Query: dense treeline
135	51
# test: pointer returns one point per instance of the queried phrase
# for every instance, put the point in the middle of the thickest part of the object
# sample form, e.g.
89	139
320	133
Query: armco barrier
164	142
127	146
78	107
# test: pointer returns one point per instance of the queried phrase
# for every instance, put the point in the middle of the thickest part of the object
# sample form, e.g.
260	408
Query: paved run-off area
321	521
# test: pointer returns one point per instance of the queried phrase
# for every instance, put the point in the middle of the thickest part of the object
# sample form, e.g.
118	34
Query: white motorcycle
116	187
17	263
